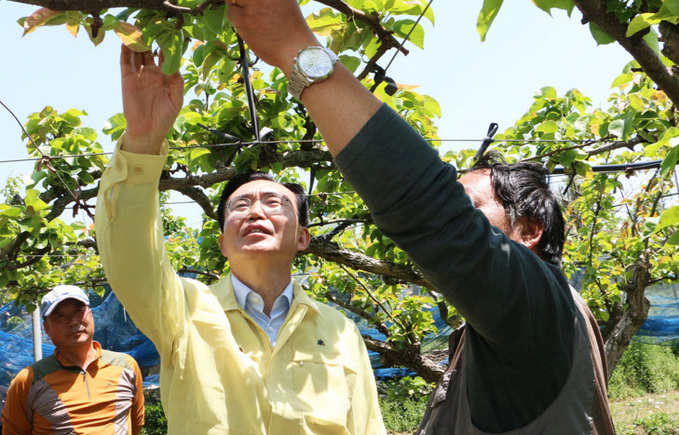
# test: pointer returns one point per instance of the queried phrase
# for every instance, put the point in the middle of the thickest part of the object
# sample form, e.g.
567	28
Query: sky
475	83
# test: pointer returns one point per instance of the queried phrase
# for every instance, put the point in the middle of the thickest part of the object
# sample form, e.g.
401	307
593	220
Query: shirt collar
241	291
66	363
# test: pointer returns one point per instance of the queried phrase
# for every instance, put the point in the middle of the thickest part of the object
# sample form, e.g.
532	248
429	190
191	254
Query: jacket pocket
324	385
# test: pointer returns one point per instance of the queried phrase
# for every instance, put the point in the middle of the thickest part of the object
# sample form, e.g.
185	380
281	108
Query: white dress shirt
253	304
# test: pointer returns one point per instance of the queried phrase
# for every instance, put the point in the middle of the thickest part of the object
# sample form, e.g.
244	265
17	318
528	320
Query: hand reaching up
151	101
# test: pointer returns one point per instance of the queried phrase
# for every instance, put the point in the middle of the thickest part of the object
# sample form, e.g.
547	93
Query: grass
655	414
651	414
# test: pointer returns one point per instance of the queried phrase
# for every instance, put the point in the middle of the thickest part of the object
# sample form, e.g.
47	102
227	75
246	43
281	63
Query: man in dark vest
532	360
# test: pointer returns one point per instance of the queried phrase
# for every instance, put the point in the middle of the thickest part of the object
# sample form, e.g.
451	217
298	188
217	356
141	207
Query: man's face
478	187
258	231
70	324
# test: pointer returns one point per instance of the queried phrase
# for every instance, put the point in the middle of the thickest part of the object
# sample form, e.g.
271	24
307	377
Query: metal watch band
299	81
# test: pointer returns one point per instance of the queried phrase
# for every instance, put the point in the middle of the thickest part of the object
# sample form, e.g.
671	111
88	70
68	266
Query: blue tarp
662	324
115	331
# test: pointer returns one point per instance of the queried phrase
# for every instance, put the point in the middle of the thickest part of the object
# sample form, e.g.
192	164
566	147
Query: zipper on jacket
87	384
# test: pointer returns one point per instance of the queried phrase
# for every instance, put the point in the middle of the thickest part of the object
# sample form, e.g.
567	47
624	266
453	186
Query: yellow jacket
219	373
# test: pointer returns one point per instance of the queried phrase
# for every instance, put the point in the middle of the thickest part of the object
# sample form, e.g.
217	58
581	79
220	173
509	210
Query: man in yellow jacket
251	354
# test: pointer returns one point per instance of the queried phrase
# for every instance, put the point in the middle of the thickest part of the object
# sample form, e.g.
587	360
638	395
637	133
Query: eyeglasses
271	204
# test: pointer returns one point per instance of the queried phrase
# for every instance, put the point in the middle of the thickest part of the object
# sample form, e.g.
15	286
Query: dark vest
580	408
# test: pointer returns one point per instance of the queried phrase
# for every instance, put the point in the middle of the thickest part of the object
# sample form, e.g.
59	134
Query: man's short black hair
245	177
523	189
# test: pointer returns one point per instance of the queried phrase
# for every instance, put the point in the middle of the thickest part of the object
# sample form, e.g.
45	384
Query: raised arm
128	222
151	101
276	31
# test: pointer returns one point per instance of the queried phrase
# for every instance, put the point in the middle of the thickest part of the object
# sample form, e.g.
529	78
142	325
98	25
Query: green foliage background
621	239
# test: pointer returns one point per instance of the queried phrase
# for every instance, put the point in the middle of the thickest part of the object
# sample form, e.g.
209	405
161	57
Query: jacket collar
66	363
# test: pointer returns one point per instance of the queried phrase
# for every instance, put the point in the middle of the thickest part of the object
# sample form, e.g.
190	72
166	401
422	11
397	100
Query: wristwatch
312	65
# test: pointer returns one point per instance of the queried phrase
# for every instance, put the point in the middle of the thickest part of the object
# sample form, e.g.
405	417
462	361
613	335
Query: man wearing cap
81	388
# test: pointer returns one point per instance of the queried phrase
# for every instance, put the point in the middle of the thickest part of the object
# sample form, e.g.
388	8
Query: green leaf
172	44
672	6
617	128
215	21
487	15
567	158
403	28
10	211
641	22
622	79
351	62
115	126
548	5
582	168
198	152
548	127
86	177
324	21
32	200
636	102
210	62
546	92
668	137
96	40
651	39
599	35
670	161
432	106
669	218
110	22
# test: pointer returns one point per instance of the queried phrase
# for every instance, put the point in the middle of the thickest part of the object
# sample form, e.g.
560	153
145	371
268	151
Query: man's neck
81	356
268	282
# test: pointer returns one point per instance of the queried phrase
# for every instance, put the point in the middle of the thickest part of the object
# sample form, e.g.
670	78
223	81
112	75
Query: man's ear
528	233
221	244
46	326
304	239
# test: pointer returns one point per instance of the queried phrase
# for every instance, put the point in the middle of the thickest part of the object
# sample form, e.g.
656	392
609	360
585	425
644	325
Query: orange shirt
51	396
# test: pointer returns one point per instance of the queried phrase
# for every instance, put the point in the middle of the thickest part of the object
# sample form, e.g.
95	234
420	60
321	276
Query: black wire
245	66
408	35
559	170
617	168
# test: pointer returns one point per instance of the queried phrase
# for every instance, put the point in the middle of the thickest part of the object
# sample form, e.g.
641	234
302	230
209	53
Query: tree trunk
635	315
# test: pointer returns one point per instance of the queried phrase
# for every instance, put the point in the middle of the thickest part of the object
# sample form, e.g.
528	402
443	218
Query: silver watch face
315	63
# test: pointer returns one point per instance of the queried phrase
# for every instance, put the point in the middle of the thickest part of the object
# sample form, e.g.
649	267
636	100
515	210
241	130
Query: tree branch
359	312
201	199
332	252
595	11
428	368
372	20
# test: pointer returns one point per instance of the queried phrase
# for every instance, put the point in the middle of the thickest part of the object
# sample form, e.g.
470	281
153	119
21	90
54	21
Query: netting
115	331
662	324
